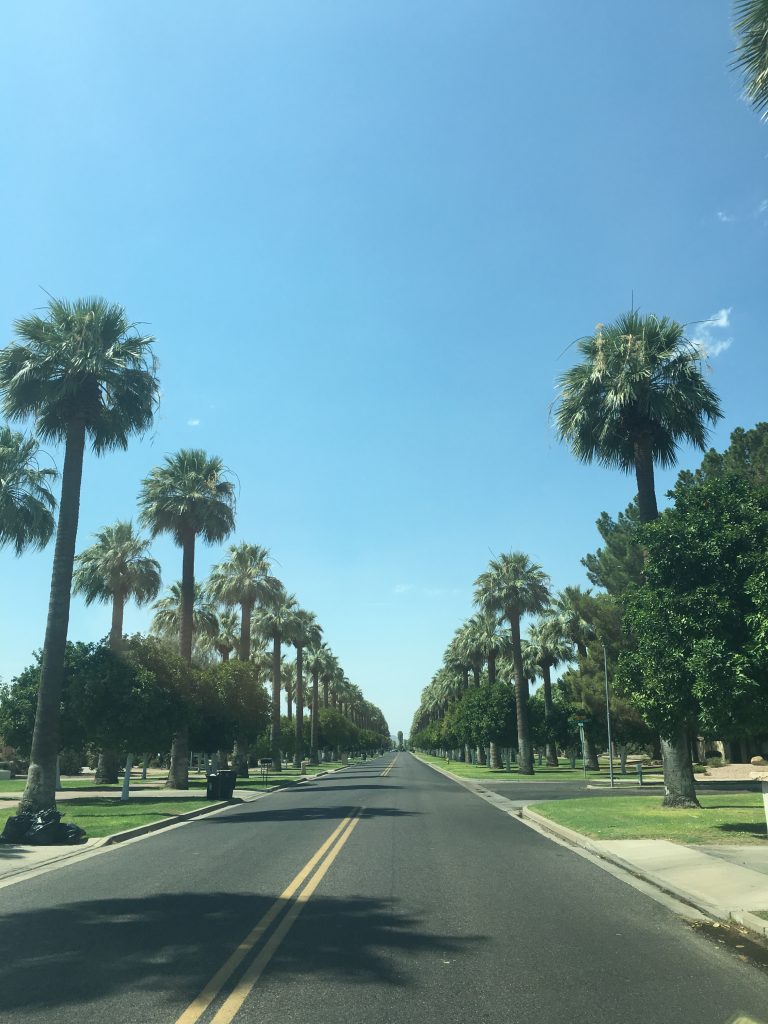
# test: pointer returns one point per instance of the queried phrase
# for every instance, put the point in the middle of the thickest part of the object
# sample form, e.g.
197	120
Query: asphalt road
429	906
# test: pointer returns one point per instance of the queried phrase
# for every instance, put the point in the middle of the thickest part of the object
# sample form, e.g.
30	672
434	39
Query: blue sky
364	235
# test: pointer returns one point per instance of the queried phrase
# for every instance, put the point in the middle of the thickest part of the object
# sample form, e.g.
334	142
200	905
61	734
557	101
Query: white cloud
193	423
402	588
706	340
763	207
726	218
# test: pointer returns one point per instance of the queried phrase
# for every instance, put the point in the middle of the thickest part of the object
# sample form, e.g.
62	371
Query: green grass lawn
105	816
564	773
726	818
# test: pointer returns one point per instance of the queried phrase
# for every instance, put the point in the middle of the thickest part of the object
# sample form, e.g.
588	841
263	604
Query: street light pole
608	716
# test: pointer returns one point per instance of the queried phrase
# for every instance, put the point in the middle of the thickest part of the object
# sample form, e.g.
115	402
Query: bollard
639	773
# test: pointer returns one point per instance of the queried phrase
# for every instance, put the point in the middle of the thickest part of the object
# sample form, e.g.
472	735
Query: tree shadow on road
314	813
163	949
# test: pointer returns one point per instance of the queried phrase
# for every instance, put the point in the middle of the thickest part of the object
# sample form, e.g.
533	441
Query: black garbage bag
43	829
16	827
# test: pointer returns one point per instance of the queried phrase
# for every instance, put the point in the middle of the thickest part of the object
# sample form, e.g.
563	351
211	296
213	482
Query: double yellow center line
312	874
389	767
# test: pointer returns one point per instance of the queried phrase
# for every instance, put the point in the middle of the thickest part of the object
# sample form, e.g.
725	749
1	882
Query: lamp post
608	716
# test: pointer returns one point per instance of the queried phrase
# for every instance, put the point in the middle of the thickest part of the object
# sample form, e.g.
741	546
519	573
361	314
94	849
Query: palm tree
166	622
512	587
548	647
26	503
188	497
243	579
226	638
572	606
83	372
636	396
116	568
751	27
316	662
276	620
308	634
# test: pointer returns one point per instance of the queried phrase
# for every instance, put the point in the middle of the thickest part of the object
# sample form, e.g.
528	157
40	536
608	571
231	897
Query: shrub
715	762
71	762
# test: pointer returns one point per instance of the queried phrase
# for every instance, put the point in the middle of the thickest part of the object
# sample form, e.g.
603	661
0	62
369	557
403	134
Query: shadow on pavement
315	813
165	948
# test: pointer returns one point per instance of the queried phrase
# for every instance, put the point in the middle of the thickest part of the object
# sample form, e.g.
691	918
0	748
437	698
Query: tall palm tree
226	637
307	634
189	497
243	579
512	587
572	606
276	620
168	612
751	27
317	658
637	395
548	647
26	502
116	568
83	373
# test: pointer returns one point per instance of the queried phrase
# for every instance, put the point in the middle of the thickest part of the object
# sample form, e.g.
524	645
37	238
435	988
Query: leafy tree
512	587
619	563
187	497
745	459
237	702
751	28
26	502
82	372
639	393
698	623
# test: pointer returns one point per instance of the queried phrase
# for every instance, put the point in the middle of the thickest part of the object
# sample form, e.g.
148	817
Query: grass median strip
725	818
106	815
311	874
542	773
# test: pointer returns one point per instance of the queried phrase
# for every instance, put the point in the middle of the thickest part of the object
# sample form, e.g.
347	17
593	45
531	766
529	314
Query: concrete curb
750	922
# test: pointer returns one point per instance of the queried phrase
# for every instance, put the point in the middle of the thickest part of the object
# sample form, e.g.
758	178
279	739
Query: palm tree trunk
178	773
240	760
40	791
476	675
298	749
492	668
590	757
679	785
116	632
313	728
525	751
275	730
646	489
246	611
289	703
551	750
325	693
464	677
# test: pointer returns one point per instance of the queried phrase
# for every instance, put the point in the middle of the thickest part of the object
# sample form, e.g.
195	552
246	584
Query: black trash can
213	789
227	779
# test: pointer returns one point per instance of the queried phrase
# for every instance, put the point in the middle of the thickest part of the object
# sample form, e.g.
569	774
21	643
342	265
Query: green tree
317	659
83	372
26	502
514	586
243	579
276	621
619	563
639	393
698	624
751	29
188	497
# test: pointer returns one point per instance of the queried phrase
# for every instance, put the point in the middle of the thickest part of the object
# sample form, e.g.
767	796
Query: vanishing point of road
383	893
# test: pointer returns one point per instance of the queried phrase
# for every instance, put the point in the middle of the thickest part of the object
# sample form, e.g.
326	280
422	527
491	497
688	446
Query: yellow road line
246	984
200	1004
389	767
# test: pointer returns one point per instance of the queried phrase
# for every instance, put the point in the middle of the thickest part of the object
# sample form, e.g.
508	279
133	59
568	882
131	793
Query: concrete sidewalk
726	882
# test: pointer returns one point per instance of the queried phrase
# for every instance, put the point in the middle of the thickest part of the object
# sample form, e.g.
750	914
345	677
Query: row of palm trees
637	394
85	374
